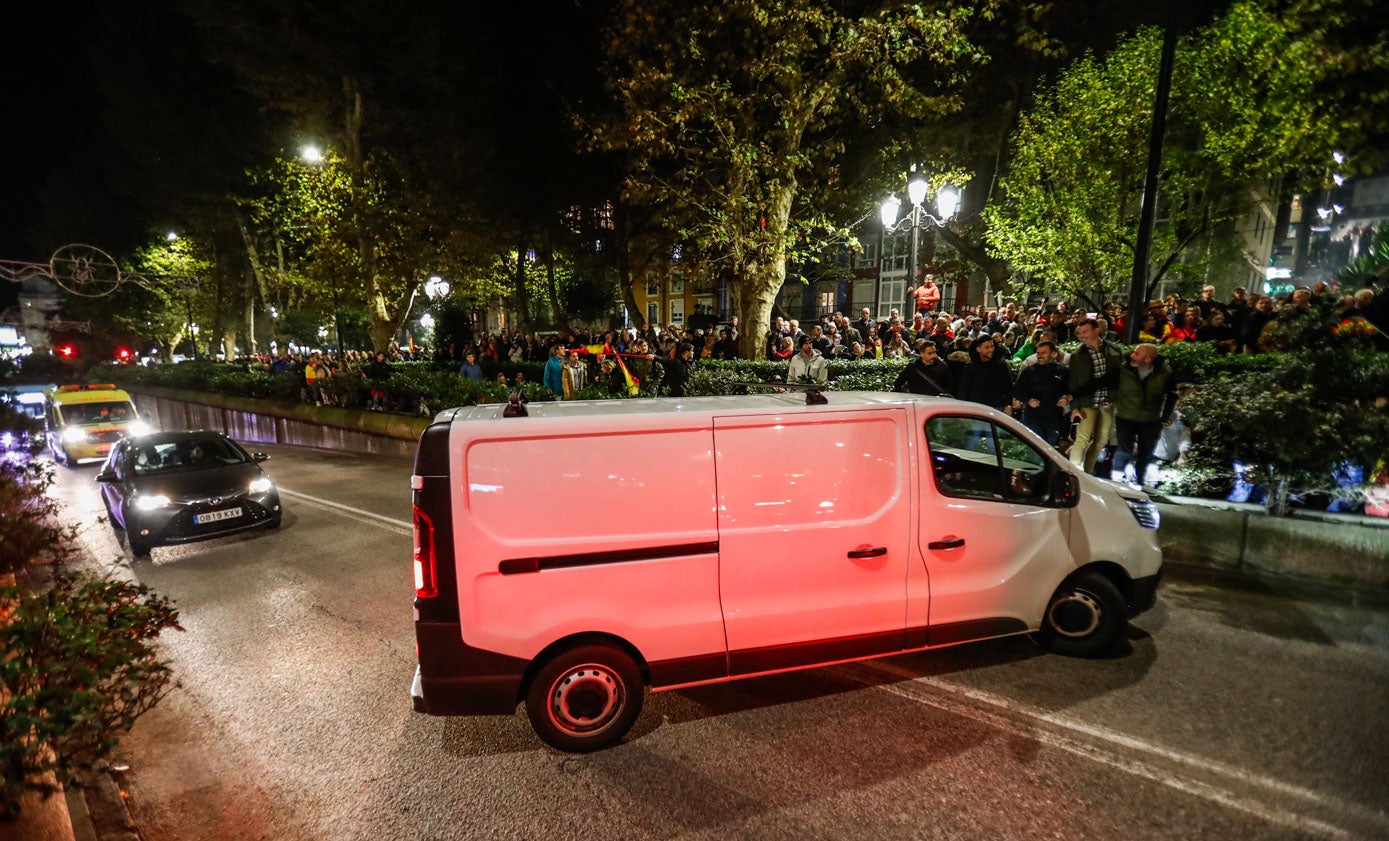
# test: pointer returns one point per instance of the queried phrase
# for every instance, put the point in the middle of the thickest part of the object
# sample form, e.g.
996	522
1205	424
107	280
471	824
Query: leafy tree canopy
734	115
1242	108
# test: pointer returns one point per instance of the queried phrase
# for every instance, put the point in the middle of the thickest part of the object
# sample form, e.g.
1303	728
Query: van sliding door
814	518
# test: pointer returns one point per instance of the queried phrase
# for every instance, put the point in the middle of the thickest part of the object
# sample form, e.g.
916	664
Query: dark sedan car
174	487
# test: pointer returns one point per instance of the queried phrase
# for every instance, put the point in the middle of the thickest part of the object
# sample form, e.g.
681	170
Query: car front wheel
1086	617
585	698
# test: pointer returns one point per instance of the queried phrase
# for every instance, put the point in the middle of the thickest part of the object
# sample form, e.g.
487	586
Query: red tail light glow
426	579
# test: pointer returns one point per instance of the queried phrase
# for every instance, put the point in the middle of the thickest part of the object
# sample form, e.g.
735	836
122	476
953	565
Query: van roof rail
814	392
516	406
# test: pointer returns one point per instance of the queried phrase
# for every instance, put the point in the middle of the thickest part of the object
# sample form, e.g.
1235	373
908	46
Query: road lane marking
1138	768
369	518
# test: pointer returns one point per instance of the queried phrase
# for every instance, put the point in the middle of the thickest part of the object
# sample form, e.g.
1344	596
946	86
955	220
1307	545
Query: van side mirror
106	475
1065	489
259	457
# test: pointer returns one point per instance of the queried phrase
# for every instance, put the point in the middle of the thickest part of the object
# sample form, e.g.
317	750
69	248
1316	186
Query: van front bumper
453	678
1143	593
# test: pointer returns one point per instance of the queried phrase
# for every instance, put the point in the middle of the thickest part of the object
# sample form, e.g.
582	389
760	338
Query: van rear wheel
1086	617
585	698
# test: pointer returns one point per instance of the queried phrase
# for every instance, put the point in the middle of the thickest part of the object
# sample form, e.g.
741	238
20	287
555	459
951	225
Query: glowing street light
947	202
436	287
311	154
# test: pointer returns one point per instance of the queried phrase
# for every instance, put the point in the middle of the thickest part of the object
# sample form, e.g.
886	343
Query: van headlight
138	427
1145	511
261	486
74	434
149	502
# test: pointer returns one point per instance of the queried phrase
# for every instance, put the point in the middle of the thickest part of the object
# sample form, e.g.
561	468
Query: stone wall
1342	550
268	422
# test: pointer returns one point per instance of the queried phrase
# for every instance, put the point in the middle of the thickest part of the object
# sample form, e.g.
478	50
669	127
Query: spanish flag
633	384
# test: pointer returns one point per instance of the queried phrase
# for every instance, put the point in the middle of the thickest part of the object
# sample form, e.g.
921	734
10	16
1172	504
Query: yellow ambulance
83	421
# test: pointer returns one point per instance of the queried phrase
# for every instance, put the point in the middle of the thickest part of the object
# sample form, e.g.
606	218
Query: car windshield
194	454
114	412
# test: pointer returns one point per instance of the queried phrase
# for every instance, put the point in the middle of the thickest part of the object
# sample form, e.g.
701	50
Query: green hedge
422	388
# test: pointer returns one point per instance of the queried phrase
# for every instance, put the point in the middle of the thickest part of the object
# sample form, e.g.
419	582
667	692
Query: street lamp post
947	201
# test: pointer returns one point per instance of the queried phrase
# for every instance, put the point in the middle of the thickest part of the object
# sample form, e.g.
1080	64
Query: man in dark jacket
377	372
1040	388
677	370
1254	323
925	374
987	378
725	347
1147	394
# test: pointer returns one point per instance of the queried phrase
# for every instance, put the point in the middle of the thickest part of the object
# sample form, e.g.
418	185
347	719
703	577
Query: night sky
47	89
46	85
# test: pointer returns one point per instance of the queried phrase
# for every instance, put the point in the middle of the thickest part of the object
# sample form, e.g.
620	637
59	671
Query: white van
572	553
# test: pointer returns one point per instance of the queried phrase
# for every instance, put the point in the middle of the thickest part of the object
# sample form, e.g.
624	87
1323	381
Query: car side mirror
1065	489
106	475
259	456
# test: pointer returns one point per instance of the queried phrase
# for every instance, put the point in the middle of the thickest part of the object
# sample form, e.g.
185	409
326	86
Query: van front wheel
1085	618
585	698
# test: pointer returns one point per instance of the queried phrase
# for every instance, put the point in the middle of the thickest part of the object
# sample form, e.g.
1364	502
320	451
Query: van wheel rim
1076	614
586	699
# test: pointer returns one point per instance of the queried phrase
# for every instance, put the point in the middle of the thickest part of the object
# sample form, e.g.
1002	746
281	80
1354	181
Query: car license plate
214	516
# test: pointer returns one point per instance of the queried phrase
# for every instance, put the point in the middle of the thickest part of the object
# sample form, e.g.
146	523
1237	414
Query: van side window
973	458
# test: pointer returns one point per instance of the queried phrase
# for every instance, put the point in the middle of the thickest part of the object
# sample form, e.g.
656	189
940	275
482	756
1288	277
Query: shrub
1296	423
30	531
80	668
78	664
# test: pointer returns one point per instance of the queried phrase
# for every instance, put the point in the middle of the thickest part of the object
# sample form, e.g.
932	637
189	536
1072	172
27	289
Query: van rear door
814	515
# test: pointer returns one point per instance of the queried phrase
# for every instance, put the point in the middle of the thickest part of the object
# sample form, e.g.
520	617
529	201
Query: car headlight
137	428
1145	511
149	502
261	485
74	434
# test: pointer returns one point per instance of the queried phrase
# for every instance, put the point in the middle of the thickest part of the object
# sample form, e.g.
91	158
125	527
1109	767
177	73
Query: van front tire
1086	617
585	699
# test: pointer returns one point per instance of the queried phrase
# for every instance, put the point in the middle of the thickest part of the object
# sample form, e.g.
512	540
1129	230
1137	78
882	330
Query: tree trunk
523	300
560	317
385	319
763	271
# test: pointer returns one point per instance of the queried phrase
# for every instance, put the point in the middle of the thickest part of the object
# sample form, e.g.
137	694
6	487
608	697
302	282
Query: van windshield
113	412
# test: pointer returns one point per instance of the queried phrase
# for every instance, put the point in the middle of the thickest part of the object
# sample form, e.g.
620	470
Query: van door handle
875	552
952	543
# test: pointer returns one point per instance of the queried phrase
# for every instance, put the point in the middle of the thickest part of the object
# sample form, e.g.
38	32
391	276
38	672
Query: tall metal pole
912	264
337	318
1138	289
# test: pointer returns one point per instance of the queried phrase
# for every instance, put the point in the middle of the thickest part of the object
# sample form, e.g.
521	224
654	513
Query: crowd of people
1100	404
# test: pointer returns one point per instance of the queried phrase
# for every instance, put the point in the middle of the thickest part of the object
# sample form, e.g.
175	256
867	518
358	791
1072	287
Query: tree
733	114
1242	109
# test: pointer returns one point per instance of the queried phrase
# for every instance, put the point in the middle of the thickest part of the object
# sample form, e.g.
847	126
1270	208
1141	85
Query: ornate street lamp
947	202
436	288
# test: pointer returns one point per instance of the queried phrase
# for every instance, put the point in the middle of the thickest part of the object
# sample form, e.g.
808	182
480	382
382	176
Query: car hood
227	480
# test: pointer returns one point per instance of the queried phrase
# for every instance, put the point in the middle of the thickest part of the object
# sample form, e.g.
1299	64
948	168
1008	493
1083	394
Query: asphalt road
1234	714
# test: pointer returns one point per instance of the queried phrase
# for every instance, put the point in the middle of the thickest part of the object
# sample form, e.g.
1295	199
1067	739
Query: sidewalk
94	814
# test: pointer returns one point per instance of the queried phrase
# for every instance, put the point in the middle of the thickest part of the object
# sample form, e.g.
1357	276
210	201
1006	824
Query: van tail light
426	571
